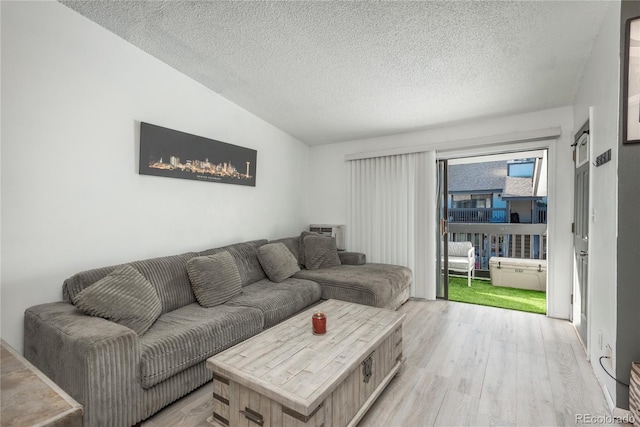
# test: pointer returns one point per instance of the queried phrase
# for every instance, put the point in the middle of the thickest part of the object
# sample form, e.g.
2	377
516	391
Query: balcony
476	215
493	215
506	240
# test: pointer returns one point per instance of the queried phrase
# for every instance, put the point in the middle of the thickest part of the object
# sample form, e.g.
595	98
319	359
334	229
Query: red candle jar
319	323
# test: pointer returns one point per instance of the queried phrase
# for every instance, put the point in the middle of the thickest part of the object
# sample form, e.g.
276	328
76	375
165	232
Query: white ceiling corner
331	71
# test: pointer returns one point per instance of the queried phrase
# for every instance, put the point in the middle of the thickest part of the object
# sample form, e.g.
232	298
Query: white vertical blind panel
425	206
378	214
388	209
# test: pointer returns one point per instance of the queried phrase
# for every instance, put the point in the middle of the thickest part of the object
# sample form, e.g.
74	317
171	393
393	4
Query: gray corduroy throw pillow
124	296
277	261
304	234
320	252
214	279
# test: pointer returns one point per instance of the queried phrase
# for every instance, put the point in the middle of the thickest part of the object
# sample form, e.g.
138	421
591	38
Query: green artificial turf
482	292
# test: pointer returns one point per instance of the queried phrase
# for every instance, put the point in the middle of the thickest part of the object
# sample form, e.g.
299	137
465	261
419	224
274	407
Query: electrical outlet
600	340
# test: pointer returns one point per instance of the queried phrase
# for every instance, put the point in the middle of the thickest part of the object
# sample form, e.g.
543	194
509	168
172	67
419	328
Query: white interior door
581	237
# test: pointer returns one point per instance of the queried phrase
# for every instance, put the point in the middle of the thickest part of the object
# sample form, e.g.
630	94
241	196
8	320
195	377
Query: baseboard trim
623	415
607	396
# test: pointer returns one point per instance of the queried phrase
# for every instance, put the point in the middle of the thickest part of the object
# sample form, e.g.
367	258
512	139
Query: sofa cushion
370	284
320	252
277	301
277	261
168	275
246	257
301	257
123	296
293	244
191	334
214	278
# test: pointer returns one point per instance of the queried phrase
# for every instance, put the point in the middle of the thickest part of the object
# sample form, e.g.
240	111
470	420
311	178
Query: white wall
599	89
72	97
327	200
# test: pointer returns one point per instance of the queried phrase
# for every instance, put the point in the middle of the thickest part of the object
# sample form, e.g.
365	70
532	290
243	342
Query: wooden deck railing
506	240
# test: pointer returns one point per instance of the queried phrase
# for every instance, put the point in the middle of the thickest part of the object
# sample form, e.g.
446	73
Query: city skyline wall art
174	154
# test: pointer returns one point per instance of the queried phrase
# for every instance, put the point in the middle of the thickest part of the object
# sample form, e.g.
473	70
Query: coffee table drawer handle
252	416
367	368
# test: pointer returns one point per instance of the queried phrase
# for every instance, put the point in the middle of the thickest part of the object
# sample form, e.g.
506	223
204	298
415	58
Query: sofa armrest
352	258
94	360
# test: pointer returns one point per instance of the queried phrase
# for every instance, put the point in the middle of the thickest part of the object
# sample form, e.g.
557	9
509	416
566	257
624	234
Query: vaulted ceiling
331	71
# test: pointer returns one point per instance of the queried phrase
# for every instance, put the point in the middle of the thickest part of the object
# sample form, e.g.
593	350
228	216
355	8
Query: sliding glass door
442	288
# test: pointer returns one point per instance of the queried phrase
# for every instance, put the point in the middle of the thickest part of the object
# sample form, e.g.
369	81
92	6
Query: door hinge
573	227
444	227
571	299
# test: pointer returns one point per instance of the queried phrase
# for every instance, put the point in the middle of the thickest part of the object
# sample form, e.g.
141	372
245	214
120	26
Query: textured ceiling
331	71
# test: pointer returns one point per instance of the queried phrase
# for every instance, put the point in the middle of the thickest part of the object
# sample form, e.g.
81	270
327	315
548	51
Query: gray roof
477	177
518	187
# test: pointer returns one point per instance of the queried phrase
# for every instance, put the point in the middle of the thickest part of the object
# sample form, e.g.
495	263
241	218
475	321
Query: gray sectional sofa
124	374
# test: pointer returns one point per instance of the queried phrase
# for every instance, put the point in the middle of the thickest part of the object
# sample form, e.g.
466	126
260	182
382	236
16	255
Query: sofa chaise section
378	285
355	280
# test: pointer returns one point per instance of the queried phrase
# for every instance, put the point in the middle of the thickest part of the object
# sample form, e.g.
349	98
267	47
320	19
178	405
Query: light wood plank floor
467	365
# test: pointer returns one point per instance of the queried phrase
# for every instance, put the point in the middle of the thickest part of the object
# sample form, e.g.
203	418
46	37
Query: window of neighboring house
471	201
520	168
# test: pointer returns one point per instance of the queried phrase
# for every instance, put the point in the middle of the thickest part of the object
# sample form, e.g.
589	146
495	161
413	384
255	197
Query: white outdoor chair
462	258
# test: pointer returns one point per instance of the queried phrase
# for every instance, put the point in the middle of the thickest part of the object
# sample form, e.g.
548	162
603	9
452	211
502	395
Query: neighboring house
498	191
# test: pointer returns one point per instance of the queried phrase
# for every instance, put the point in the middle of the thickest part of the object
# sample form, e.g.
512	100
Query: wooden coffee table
288	376
29	398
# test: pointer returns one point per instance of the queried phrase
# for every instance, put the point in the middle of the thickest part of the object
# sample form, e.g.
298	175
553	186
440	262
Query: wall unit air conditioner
331	230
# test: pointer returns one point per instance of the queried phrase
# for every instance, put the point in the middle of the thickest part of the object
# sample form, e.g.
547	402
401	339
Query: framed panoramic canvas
631	99
173	154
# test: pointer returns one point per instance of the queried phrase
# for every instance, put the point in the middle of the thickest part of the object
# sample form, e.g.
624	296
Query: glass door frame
442	285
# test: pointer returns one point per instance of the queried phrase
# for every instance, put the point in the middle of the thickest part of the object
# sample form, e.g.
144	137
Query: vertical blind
387	210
